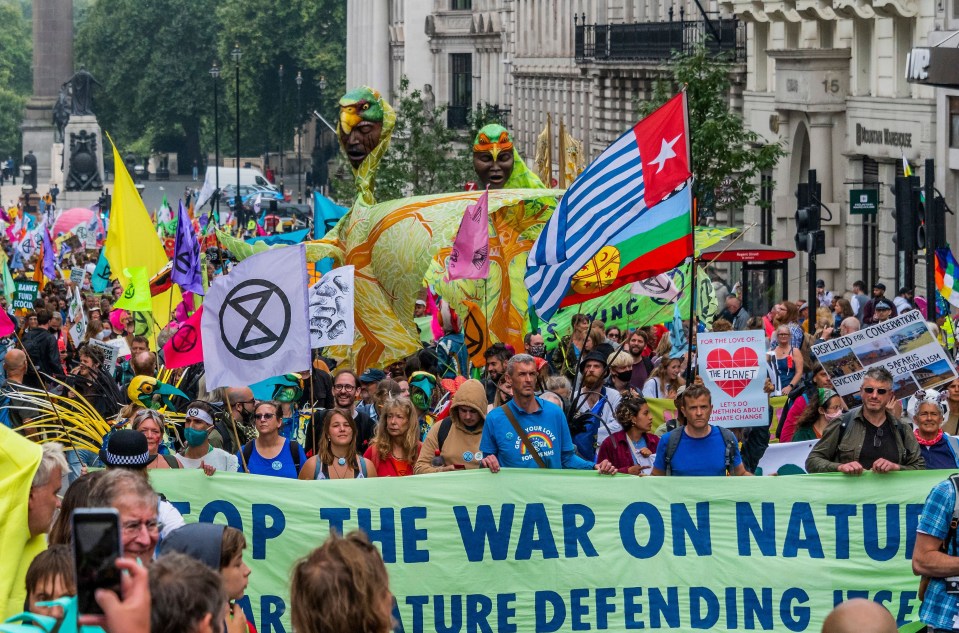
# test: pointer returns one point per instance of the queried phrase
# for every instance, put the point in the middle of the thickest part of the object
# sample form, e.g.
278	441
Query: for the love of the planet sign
731	367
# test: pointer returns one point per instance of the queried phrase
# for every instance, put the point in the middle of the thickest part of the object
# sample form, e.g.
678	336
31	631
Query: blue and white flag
256	321
186	255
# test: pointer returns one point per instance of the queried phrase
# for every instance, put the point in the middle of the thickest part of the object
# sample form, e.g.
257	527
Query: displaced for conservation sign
528	550
903	345
732	365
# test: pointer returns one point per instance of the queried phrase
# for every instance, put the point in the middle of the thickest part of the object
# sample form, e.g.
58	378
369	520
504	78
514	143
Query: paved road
153	192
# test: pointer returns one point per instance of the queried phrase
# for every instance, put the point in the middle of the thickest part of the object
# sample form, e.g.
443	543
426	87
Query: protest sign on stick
903	345
731	366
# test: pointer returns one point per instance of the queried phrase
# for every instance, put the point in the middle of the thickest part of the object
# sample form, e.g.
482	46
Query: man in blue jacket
528	432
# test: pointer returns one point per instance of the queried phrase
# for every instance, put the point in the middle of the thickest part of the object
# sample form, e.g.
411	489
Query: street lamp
215	73
299	140
282	123
236	196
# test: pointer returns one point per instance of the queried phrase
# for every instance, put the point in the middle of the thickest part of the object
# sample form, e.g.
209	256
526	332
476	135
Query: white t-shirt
218	458
607	414
168	517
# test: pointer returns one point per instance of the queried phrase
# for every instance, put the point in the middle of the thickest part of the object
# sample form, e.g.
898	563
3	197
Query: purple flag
186	255
49	256
470	256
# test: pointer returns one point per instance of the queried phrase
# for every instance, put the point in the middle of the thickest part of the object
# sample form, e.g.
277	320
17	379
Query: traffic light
908	213
810	237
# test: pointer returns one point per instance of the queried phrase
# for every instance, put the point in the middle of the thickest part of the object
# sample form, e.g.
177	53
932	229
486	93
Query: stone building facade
827	79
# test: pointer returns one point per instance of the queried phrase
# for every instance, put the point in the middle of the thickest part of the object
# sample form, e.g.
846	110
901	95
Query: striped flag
635	173
947	276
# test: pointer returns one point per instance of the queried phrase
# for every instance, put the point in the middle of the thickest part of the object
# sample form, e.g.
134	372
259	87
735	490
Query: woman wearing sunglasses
270	453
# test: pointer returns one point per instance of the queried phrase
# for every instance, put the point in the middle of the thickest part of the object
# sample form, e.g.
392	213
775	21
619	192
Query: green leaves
727	158
15	79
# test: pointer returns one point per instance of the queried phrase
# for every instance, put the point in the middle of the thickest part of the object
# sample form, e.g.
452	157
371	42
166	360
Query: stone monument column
52	65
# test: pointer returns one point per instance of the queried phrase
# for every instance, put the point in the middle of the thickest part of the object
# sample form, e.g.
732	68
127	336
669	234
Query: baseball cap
420	302
820	283
879	285
372	375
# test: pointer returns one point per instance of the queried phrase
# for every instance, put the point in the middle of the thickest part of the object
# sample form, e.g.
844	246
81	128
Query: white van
248	176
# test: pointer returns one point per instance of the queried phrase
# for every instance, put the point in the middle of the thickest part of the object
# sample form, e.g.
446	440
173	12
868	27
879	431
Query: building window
461	89
954	122
870	227
461	5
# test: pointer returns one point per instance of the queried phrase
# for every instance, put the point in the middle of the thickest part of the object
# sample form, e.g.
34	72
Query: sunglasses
264	416
880	390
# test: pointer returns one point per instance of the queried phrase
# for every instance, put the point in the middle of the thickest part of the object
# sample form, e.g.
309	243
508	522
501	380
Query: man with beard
596	398
345	385
869	310
642	363
496	356
535	345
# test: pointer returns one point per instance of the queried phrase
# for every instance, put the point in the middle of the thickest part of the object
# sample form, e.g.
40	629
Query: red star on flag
663	140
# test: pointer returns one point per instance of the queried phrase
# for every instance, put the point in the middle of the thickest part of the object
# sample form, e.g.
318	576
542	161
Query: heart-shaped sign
732	372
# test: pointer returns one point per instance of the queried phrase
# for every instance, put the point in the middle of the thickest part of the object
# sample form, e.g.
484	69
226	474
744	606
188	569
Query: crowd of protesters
589	393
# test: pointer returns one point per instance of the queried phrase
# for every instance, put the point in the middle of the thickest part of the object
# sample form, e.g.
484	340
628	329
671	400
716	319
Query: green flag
136	297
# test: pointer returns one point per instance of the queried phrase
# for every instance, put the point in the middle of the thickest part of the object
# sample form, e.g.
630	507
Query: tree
422	158
727	158
15	75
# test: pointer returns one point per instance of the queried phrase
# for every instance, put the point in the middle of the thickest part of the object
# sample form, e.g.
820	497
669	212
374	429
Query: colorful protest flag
6	324
132	240
49	256
325	214
8	283
185	347
947	276
136	296
622	185
256	319
469	258
331	309
101	275
186	258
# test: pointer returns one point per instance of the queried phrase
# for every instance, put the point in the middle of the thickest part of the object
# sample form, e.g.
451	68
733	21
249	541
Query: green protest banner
528	550
623	309
25	294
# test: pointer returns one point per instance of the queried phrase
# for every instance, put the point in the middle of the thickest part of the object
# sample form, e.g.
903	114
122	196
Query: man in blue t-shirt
701	451
542	422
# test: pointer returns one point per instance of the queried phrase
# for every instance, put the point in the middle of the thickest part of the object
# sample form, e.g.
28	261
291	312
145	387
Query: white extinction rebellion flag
256	319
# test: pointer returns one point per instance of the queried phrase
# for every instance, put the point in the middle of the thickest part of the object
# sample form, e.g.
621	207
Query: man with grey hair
528	432
848	326
869	437
44	502
15	368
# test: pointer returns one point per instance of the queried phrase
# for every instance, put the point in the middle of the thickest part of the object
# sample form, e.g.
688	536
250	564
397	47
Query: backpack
443	432
248	453
729	440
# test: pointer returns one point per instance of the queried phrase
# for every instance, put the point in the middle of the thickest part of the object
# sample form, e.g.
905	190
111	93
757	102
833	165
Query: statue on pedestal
61	113
81	89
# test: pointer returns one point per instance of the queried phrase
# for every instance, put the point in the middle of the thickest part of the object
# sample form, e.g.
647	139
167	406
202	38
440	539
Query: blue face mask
194	437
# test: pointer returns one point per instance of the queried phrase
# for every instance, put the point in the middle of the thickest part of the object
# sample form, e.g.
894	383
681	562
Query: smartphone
96	547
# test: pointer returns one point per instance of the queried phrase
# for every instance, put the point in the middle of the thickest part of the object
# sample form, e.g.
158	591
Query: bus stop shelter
765	270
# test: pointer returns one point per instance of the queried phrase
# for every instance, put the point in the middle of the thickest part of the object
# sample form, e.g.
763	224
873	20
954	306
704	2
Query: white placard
732	367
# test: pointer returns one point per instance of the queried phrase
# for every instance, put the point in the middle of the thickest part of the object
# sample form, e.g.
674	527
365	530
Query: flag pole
690	366
43	384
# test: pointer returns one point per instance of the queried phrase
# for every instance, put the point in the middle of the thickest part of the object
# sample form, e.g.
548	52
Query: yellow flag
136	296
131	240
19	459
544	152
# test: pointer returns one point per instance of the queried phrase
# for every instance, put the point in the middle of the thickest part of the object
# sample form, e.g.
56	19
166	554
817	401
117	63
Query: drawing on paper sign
331	309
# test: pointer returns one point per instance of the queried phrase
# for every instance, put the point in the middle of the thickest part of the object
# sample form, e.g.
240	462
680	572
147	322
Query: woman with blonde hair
665	380
621	371
151	424
336	456
396	444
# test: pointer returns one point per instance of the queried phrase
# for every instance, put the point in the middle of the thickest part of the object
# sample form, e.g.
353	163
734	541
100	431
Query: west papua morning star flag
255	320
636	172
186	255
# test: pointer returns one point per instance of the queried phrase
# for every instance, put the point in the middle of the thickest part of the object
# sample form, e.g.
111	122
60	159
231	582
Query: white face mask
832	416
